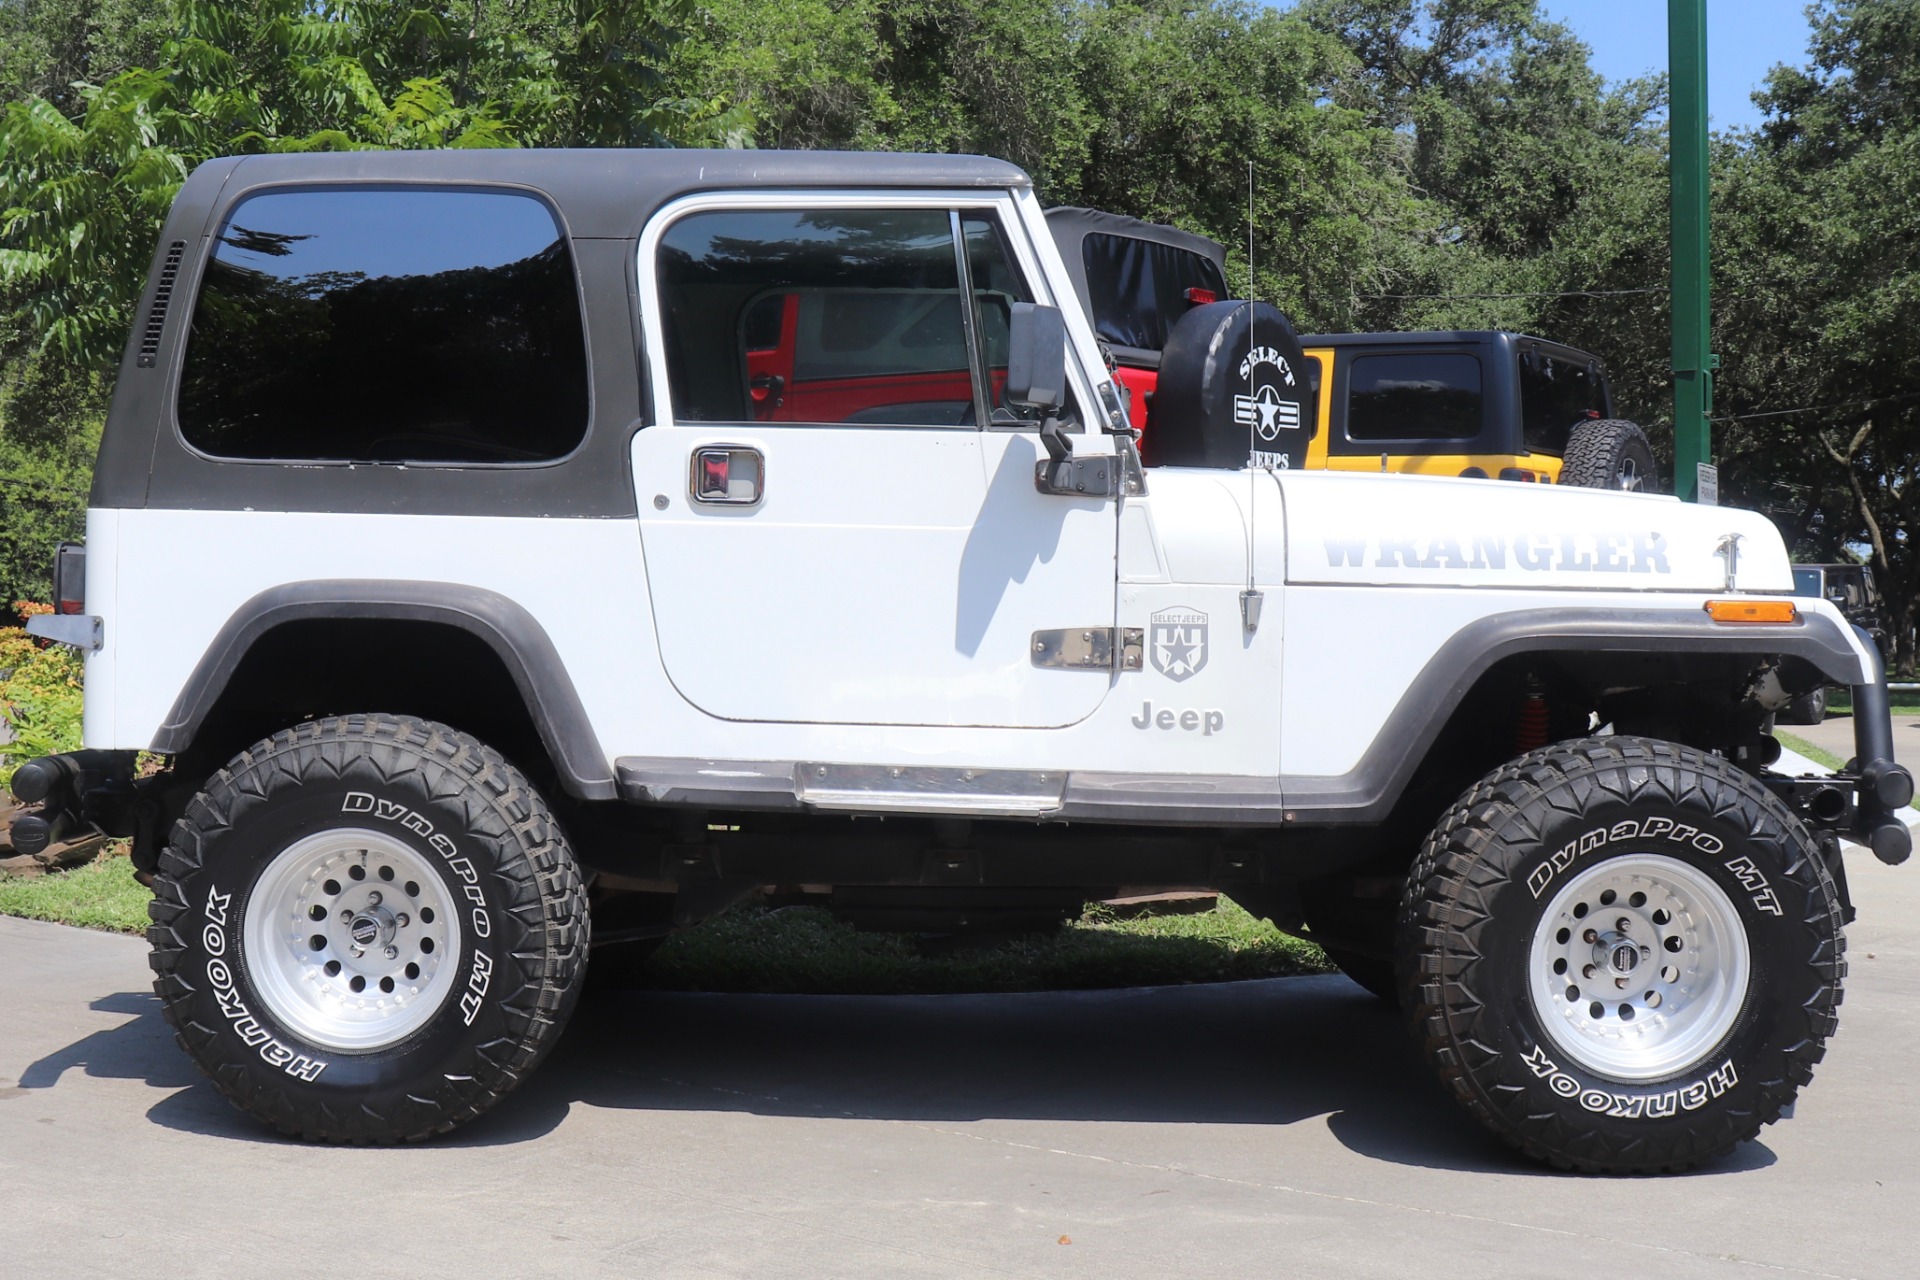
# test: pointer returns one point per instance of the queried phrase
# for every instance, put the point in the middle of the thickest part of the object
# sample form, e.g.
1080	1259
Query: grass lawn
100	895
804	949
1819	755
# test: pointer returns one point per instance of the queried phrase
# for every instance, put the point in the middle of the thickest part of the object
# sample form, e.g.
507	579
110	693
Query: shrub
40	694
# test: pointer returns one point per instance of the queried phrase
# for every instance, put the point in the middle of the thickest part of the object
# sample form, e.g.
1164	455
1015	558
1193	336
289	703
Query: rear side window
1414	396
1555	396
384	325
1138	288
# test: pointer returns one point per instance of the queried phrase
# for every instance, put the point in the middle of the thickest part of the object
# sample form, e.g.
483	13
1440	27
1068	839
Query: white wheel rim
352	939
1639	967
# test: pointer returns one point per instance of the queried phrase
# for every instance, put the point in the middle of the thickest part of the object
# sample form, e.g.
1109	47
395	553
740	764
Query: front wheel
367	929
1621	955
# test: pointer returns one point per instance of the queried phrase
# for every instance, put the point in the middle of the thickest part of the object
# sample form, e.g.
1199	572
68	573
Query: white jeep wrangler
499	543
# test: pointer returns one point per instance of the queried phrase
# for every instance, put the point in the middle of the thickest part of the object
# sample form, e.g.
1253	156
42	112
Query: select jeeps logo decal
1633	1106
214	938
1177	642
1264	410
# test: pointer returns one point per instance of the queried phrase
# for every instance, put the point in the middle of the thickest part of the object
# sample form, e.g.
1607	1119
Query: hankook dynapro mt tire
367	929
1621	955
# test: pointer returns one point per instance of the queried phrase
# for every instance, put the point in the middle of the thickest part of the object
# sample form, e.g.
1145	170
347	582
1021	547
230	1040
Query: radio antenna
1250	598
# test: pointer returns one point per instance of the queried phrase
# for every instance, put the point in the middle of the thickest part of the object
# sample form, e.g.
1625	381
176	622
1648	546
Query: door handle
727	475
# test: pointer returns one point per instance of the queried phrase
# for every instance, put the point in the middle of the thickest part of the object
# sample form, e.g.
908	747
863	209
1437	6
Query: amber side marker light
1752	611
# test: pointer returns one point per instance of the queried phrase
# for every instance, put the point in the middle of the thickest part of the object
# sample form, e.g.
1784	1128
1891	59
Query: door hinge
1090	477
1090	648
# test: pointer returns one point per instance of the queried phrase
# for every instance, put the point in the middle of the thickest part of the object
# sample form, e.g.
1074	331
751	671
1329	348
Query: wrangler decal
1532	552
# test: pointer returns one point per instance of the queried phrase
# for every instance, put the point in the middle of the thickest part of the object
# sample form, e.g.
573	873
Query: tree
1817	284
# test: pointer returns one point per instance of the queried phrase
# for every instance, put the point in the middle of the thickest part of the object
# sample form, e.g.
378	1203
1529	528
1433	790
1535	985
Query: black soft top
1136	293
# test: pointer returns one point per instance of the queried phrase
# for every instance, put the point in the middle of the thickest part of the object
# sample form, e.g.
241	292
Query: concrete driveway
1835	734
1266	1128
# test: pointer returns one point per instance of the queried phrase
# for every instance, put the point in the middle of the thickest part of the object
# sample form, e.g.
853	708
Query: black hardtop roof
1434	337
605	194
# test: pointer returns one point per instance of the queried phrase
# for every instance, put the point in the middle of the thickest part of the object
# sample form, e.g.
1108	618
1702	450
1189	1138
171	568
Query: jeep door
837	509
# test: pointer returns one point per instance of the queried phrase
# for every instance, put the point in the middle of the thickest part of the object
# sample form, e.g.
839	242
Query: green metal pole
1693	364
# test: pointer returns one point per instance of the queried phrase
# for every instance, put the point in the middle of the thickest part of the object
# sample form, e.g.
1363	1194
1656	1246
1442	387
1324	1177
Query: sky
1745	38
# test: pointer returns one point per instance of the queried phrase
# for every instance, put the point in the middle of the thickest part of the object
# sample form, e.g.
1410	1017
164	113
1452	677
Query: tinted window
387	326
1414	396
1806	582
1138	289
1554	396
815	316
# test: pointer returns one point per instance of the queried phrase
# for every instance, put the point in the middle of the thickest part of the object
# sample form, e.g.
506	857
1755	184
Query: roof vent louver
157	313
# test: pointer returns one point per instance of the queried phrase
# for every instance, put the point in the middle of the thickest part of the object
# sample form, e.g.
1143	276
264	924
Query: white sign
1707	485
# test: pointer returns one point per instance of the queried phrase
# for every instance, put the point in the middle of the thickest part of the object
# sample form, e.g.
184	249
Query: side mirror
1036	356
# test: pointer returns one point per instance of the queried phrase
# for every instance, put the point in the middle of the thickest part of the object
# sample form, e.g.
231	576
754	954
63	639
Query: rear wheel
1621	955
367	929
1609	453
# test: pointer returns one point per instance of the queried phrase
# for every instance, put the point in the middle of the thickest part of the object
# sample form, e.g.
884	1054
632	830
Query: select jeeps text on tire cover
485	585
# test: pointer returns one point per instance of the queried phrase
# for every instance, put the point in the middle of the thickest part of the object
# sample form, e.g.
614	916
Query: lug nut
1589	936
347	916
1620	983
373	899
357	951
1646	953
1623	924
403	920
393	953
1586	971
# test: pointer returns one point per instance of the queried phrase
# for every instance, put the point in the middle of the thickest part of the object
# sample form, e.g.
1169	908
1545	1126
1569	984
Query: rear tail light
1201	297
70	578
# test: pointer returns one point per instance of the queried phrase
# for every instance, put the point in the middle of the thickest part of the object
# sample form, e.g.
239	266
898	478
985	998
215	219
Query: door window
816	316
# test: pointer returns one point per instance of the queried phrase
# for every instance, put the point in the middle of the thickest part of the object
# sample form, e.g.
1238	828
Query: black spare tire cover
1233	387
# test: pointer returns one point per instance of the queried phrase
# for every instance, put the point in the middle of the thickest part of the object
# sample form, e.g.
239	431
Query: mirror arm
1059	448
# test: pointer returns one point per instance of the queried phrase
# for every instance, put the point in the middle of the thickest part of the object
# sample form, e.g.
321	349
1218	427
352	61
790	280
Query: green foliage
41	696
83	190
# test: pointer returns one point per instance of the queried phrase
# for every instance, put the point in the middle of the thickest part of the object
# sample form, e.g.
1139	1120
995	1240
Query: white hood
1402	530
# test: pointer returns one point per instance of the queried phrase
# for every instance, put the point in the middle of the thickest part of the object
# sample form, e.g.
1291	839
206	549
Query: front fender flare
1367	792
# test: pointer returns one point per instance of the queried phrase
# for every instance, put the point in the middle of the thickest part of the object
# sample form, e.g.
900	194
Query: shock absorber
1530	731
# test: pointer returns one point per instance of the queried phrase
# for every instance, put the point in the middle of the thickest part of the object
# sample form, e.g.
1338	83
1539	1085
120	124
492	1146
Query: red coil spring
1531	731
